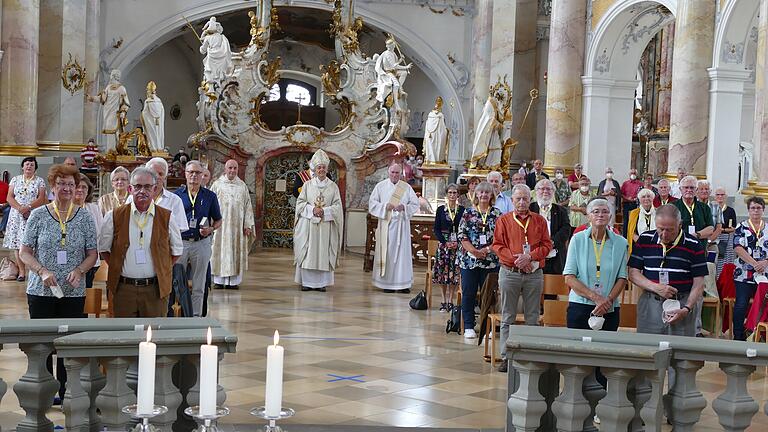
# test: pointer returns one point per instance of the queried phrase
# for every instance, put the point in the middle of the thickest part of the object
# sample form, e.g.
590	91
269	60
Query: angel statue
435	135
114	109
390	74
494	130
218	54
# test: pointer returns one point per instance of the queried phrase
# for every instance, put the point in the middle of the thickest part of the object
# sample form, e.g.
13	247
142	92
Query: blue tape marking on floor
337	378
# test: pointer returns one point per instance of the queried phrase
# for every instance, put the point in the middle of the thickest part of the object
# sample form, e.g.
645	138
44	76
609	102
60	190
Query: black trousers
52	307
578	318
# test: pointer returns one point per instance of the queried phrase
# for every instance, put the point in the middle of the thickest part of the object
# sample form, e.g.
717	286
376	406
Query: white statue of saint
114	108
153	119
493	130
391	74
435	135
218	54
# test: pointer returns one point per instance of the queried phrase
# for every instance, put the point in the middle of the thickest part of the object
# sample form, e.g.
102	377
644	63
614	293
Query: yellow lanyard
524	227
471	198
141	224
484	218
192	200
690	210
757	232
63	223
664	202
665	251
452	214
117	197
598	254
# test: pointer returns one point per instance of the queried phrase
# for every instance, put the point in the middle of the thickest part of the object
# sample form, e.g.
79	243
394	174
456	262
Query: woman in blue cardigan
446	271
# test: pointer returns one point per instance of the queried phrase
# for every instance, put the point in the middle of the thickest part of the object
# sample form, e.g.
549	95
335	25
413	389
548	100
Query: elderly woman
643	218
578	202
84	199
59	247
476	259
111	201
596	271
25	193
750	242
562	190
447	219
468	199
725	246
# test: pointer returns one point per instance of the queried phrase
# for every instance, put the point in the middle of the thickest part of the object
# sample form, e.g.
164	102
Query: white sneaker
596	420
470	334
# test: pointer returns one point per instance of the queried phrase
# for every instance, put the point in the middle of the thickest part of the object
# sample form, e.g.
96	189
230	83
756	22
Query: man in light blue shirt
503	202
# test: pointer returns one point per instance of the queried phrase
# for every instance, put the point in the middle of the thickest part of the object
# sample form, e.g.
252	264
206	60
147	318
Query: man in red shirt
521	241
573	179
664	196
629	190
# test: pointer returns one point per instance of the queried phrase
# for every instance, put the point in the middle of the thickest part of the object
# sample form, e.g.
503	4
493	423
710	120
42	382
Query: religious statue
435	135
114	109
153	119
391	74
218	55
494	130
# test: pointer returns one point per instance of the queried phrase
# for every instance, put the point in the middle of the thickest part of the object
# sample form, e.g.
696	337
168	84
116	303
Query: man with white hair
163	197
232	242
696	216
318	227
503	202
557	223
393	202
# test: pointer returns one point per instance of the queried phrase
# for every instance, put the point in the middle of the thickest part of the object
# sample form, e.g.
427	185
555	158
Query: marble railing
88	343
635	367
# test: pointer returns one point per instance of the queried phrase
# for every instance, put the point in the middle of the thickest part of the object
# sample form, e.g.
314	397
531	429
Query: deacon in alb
153	119
231	242
394	203
318	227
218	54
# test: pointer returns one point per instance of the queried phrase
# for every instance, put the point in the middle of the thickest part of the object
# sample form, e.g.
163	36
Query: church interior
450	90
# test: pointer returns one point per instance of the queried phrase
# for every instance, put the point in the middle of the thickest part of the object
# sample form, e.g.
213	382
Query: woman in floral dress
445	273
25	193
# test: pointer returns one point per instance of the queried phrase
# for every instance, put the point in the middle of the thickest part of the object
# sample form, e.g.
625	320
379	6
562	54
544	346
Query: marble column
658	141
91	110
567	36
760	132
482	28
513	54
689	115
18	77
73	41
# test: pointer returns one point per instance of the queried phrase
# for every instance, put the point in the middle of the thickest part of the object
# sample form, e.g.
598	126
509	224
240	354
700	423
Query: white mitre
319	158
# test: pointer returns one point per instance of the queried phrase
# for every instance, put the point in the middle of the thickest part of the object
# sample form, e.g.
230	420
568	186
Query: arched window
274	93
297	93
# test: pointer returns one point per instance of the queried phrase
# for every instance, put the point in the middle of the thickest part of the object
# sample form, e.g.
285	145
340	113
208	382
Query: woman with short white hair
117	197
643	218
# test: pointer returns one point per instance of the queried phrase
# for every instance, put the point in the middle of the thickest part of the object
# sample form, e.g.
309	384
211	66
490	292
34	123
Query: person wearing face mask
562	190
610	189
578	202
557	223
629	190
573	179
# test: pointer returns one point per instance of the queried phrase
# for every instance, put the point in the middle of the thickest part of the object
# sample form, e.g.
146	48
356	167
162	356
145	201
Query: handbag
8	270
454	323
419	302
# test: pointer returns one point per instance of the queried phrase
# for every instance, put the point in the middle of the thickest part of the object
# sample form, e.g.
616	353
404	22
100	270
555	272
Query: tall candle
274	390
209	358
146	387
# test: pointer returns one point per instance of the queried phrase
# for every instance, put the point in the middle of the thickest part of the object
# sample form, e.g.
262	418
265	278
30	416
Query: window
296	93
274	93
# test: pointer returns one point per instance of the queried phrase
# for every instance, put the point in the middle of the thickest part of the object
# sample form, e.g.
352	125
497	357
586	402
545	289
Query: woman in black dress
446	272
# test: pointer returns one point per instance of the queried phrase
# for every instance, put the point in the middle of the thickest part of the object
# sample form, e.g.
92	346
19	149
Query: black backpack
453	325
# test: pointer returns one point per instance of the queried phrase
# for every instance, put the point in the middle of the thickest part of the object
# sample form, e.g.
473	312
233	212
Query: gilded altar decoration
274	22
73	76
259	34
350	35
304	135
269	70
331	78
509	145
337	26
198	136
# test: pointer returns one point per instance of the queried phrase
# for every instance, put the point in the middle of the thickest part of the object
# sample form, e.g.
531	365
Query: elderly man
163	197
521	241
696	216
201	209
141	242
537	174
670	266
663	197
573	179
710	284
503	202
629	190
205	179
557	223
232	242
393	202
675	185
318	228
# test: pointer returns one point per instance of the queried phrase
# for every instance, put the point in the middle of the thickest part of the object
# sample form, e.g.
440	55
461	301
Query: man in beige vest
141	243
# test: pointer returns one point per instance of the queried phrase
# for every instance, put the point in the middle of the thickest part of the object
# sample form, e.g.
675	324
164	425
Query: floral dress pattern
445	271
755	245
24	194
471	228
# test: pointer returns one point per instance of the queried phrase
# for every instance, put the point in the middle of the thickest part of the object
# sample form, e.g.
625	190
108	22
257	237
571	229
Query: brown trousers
132	301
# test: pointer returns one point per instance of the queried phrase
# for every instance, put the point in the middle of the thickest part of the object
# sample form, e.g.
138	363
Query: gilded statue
494	130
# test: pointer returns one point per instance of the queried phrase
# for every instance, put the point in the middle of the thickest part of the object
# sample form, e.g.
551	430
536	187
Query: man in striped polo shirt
668	264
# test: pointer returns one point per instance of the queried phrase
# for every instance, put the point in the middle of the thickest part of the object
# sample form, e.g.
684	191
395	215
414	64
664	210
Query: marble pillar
482	28
513	54
760	132
73	41
658	141
91	110
18	76
567	36
689	115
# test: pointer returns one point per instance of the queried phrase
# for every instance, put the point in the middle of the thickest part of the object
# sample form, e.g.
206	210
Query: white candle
146	388
209	359
274	390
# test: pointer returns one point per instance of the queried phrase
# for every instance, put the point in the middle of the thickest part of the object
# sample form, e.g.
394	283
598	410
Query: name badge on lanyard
141	256
483	240
664	277
452	237
692	230
756	253
527	248
192	223
61	257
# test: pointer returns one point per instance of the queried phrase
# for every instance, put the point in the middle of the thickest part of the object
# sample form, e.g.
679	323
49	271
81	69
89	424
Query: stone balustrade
38	339
635	365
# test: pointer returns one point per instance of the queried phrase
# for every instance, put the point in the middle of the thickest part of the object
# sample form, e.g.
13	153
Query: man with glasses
557	223
137	241
162	196
696	216
201	207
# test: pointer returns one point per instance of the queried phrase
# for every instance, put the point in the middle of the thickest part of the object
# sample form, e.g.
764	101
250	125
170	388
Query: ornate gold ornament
258	32
303	135
269	70
73	76
331	78
345	108
274	21
196	138
255	112
337	26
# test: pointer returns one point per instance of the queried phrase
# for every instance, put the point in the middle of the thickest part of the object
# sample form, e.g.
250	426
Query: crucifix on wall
300	98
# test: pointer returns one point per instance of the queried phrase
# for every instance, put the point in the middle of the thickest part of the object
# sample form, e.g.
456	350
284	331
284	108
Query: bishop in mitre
318	227
435	135
232	241
393	202
493	129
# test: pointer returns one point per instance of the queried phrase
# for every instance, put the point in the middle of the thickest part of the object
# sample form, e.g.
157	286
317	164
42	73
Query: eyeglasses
600	212
194	172
756	208
147	187
65	185
546	189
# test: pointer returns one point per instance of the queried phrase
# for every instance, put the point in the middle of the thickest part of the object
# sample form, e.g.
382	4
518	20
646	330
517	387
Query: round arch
419	50
610	80
733	39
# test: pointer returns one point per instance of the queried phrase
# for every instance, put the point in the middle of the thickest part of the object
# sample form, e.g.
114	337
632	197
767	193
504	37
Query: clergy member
231	242
318	227
394	203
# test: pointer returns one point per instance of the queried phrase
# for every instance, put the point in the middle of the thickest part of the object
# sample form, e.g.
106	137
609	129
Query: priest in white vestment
394	203
232	241
153	119
318	227
435	135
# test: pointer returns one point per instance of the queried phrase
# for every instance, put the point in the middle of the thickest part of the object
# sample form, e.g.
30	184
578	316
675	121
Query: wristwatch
686	307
